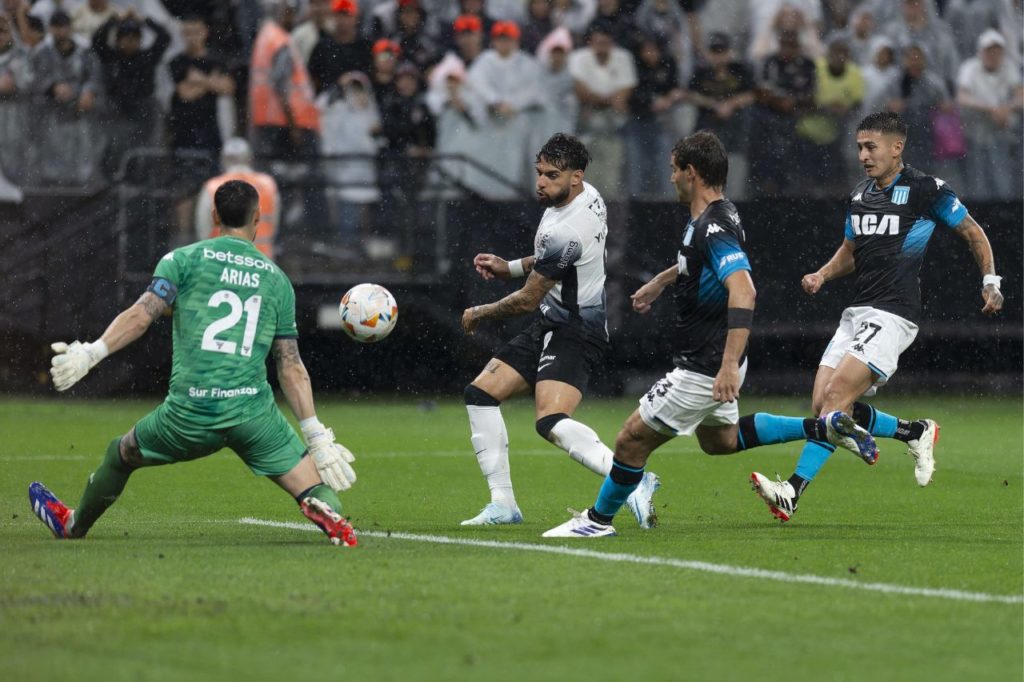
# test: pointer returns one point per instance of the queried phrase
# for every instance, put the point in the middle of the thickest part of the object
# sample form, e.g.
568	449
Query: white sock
583	445
490	442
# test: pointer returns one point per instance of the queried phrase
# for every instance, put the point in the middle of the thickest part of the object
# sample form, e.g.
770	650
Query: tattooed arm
131	324
294	378
517	303
971	232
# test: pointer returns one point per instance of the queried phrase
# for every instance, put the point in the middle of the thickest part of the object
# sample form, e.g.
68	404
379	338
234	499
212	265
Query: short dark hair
706	153
564	152
885	122
235	201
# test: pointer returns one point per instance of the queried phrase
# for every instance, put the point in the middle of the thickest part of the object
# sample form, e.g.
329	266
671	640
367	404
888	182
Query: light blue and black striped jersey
712	249
890	229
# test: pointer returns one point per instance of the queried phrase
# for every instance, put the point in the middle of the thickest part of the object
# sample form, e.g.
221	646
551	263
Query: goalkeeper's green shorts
267	444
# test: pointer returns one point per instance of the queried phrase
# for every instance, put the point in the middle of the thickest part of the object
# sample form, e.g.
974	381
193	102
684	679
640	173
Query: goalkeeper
232	307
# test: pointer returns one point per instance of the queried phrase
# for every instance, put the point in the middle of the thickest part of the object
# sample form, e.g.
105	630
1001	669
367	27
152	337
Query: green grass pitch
170	585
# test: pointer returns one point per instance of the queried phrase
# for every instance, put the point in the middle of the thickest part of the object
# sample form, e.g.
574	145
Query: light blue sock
814	456
773	429
878	423
619	484
883	425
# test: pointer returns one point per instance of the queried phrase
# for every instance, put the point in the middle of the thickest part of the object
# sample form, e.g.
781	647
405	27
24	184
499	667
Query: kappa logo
857	196
900	194
713	228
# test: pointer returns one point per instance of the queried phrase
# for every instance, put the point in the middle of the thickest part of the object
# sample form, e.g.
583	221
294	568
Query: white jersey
570	247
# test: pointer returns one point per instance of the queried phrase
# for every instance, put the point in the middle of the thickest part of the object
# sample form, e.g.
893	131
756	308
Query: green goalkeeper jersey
232	302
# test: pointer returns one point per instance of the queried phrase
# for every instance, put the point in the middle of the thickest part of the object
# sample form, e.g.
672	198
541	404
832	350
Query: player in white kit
568	336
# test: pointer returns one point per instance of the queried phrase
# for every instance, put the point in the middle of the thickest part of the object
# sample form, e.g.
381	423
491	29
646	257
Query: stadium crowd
416	86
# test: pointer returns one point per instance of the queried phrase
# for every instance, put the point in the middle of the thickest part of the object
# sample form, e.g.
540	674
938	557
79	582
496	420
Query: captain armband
163	289
740	318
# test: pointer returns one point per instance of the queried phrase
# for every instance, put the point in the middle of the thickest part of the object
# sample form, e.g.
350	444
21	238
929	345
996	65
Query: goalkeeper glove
331	459
72	362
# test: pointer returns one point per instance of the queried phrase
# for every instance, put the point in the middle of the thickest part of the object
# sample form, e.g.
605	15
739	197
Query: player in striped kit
890	218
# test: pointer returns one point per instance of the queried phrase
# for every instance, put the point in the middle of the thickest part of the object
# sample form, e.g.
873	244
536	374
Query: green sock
104	486
325	494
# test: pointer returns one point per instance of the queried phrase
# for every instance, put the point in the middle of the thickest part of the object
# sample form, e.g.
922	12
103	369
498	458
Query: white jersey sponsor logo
869	224
235	259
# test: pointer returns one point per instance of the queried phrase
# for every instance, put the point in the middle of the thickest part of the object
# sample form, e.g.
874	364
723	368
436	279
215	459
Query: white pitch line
703	566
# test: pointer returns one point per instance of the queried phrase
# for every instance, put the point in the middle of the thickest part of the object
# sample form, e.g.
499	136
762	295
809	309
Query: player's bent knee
479	397
129	451
545	424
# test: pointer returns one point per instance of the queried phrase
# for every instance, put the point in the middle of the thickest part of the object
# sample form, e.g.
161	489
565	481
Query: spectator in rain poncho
990	95
859	34
350	120
15	81
772	18
461	117
916	26
970	18
561	107
506	79
67	82
574	15
880	71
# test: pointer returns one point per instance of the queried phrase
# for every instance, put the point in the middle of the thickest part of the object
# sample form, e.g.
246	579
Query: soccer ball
368	312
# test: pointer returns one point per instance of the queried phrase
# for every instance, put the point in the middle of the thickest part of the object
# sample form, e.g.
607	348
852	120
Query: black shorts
546	352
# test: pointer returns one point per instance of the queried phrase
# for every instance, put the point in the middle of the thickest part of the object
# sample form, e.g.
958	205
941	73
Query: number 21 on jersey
251	309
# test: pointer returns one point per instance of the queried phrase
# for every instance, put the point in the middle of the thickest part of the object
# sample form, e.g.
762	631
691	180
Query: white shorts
679	403
874	337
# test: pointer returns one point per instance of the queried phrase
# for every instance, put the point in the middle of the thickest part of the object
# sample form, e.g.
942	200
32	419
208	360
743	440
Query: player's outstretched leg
490	443
50	510
921	436
321	505
844	431
104	487
584	446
